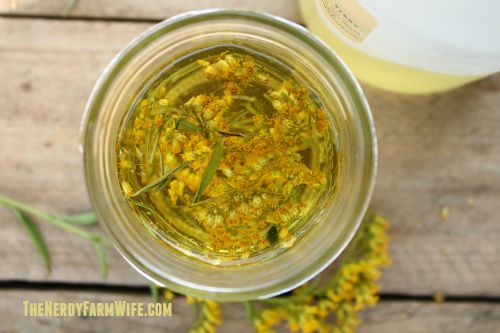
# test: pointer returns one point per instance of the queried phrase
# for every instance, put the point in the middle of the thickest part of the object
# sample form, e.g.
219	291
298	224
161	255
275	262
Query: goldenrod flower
354	289
127	189
264	168
176	190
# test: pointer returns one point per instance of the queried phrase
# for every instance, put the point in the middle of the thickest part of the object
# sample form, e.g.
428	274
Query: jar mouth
338	222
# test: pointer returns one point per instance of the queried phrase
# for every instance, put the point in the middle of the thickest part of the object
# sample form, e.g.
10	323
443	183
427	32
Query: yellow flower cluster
332	307
255	185
207	315
351	289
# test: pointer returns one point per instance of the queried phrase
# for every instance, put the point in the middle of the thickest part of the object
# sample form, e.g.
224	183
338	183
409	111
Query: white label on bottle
455	37
350	18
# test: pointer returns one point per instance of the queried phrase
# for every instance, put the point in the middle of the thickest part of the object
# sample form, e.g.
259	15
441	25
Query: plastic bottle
411	46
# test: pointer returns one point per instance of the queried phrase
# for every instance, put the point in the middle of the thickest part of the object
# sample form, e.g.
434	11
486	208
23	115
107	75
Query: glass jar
333	226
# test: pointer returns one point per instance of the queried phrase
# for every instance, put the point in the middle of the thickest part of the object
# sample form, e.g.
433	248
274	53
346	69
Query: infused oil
227	155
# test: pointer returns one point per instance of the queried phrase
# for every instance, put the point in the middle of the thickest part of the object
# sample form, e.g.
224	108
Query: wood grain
388	317
435	150
426	317
48	69
144	9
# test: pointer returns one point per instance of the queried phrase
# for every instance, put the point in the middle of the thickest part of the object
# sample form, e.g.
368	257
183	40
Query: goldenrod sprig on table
333	307
329	307
70	223
207	315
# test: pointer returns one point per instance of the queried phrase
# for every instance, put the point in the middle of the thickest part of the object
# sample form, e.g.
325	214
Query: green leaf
70	5
150	139
211	168
226	133
146	207
162	167
273	235
102	259
155	144
185	125
201	123
158	181
199	316
52	220
155	292
35	235
87	218
250	312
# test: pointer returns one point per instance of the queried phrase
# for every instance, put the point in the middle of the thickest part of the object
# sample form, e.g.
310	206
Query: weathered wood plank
434	150
426	317
389	317
145	9
11	306
48	69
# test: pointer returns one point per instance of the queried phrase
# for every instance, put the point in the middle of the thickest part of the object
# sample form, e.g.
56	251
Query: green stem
238	116
283	300
155	144
53	220
244	98
200	121
158	181
155	292
250	311
198	315
228	133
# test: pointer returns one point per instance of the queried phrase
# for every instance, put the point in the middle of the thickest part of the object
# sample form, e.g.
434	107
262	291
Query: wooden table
435	151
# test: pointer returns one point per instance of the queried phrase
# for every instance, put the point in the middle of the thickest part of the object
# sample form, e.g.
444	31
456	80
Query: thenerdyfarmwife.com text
96	309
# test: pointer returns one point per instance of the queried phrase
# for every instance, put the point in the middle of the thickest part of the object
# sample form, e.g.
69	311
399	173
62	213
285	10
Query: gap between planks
84	18
132	289
80	18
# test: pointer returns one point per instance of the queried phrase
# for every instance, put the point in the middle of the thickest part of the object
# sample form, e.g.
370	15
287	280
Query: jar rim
88	134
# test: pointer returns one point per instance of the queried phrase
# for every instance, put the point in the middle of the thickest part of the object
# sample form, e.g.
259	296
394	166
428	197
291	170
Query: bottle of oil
410	46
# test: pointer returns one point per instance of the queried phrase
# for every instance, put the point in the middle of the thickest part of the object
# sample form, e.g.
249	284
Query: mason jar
335	222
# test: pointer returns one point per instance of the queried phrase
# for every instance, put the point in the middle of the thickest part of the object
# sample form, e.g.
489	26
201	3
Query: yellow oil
377	72
269	135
